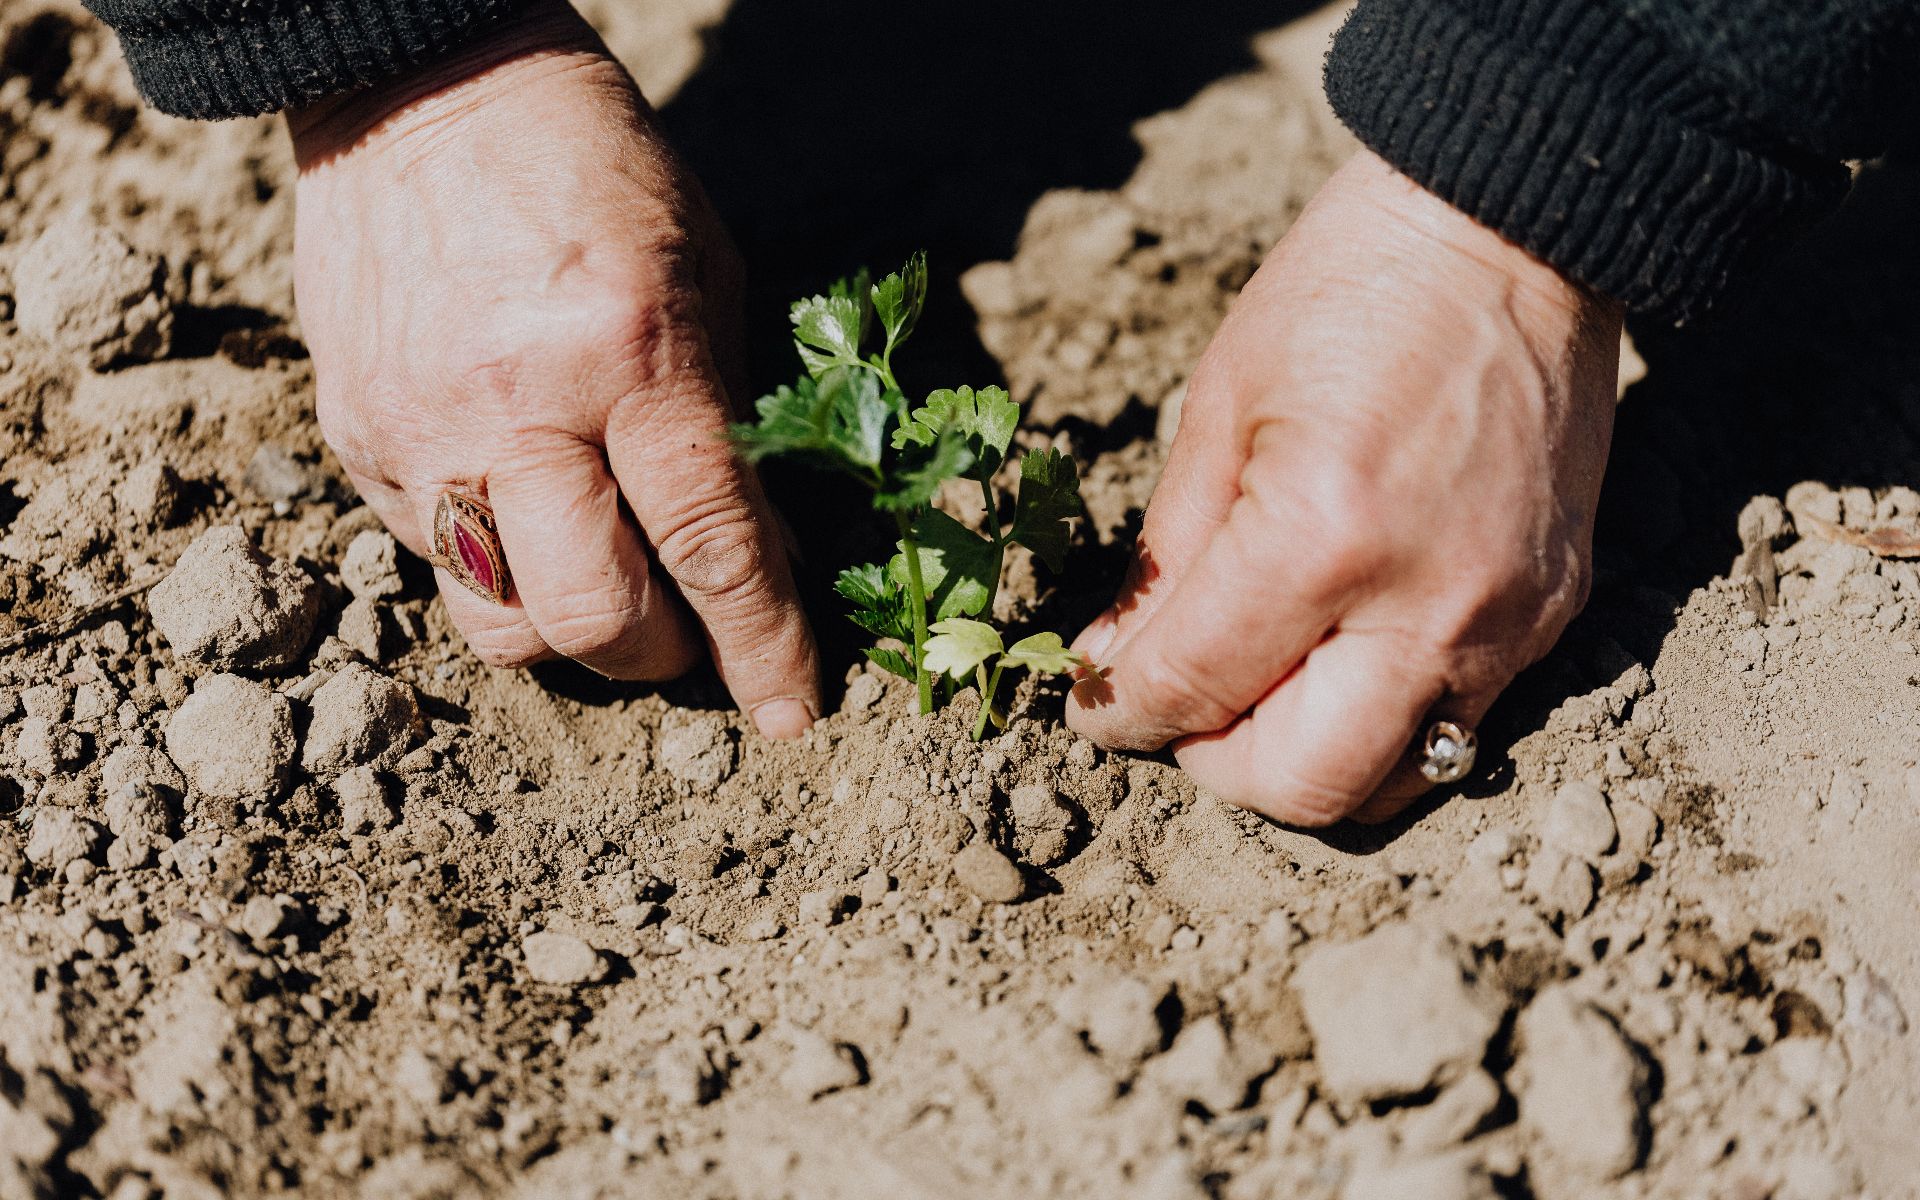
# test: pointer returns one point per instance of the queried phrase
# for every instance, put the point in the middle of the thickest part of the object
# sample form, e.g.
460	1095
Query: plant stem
999	548
988	689
917	596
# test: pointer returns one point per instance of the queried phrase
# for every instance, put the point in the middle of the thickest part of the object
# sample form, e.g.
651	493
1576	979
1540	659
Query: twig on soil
62	626
1887	541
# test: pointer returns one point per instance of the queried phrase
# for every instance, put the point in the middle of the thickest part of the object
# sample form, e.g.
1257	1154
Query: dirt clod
61	837
233	737
1584	1089
226	605
83	289
561	959
360	718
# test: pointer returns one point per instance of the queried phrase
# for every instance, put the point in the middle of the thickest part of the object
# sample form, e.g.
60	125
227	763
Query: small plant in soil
849	414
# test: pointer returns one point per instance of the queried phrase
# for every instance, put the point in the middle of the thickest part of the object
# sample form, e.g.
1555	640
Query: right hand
510	285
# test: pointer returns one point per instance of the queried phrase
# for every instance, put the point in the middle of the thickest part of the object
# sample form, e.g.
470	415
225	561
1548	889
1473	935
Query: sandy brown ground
297	898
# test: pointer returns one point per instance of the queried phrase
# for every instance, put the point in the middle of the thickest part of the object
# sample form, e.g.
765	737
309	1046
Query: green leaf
857	288
827	329
891	660
960	645
879	604
958	567
899	298
1049	498
986	419
839	420
1044	654
915	482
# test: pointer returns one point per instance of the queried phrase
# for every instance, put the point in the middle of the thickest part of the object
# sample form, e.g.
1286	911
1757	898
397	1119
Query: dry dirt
297	898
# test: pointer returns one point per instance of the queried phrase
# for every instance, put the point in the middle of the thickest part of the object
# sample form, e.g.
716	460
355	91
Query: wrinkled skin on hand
510	285
1378	508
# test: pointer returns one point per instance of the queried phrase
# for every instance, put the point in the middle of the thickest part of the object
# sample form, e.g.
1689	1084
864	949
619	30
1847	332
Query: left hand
1378	509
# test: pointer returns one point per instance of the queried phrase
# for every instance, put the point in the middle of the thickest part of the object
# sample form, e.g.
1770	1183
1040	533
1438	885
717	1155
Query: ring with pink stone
466	545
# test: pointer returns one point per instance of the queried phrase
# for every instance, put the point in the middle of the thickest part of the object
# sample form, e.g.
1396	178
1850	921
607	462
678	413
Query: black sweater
1654	149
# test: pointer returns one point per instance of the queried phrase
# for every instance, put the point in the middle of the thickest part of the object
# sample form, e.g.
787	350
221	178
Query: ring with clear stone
1447	753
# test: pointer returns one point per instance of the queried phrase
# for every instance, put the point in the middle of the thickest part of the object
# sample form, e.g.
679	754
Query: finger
1319	746
714	533
500	635
1195	492
1218	642
1404	783
389	502
579	567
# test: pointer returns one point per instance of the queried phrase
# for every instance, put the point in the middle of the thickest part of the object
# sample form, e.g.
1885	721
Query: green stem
917	596
999	548
989	688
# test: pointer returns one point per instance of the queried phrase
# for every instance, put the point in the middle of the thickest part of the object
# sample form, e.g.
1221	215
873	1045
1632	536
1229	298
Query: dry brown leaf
1887	541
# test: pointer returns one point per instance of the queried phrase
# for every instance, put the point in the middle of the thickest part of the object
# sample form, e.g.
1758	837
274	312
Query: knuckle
1297	799
590	626
715	555
1180	696
508	648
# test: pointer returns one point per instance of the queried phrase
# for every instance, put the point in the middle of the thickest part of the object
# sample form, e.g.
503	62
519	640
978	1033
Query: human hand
510	285
1378	508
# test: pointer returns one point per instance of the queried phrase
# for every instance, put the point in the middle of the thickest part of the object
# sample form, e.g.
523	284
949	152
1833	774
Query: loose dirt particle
561	959
365	803
233	737
82	288
371	568
47	748
360	718
227	605
696	748
1042	824
988	874
60	837
1578	822
1584	1093
1395	1012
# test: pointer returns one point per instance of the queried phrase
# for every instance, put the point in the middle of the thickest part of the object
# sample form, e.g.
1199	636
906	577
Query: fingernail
783	717
1095	638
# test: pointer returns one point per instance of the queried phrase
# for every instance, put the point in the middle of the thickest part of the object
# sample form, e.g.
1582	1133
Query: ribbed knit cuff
208	59
1565	129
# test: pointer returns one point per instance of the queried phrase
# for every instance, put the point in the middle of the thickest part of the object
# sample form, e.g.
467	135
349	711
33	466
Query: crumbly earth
549	936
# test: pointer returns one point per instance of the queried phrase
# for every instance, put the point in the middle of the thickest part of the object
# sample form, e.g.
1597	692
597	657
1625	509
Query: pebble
83	289
264	918
561	959
819	1066
367	629
61	837
1578	822
696	748
360	718
371	566
1561	883
988	874
152	495
1395	1012
1042	824
1584	1089
233	737
366	804
47	748
226	605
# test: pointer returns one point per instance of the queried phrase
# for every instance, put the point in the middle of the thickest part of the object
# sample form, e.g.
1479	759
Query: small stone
636	915
141	765
83	289
152	495
988	874
275	474
696	748
46	748
823	907
1121	1017
1585	1088
132	852
367	629
1042	824
1578	822
366	804
1204	1065
820	1065
360	718
1444	1177
1561	883
685	1074
227	605
1395	1012
233	737
371	567
61	837
264	918
763	928
561	959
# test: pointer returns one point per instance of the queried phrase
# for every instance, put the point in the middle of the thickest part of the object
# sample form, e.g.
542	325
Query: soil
298	898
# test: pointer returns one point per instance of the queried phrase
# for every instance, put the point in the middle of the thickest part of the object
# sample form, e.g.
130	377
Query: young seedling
960	647
848	413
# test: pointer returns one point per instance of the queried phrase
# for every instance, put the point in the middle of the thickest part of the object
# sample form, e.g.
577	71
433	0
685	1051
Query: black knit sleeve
236	58
1656	150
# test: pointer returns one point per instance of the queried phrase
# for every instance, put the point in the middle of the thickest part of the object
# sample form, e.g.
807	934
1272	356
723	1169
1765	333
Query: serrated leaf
960	645
1044	654
890	660
899	298
827	330
879	604
986	419
839	420
958	567
917	479
792	420
857	413
1049	498
857	287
